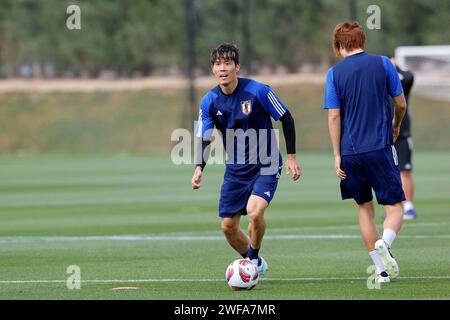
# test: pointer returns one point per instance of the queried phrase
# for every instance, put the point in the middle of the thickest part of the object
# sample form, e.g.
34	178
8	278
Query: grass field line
438	277
353	227
28	239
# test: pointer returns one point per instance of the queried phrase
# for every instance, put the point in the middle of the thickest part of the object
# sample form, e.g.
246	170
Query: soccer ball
242	274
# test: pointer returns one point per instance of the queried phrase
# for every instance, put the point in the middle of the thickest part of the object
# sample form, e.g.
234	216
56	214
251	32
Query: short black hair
225	51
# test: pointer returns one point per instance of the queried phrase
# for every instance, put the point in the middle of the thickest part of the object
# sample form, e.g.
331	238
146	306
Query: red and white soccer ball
242	274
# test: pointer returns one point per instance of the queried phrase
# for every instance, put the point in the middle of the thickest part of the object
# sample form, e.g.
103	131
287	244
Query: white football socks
407	205
389	236
377	260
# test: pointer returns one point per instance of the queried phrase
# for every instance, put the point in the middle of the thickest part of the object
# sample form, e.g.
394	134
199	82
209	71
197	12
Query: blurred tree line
142	37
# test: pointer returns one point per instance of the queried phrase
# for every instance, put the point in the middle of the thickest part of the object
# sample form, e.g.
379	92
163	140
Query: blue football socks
252	253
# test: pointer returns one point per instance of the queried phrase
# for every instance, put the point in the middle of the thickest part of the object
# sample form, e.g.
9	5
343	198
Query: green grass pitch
133	220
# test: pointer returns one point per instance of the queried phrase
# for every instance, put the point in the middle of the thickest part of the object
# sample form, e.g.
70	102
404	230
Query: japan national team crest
246	107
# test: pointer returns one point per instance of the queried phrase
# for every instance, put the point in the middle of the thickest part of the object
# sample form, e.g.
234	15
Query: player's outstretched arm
292	165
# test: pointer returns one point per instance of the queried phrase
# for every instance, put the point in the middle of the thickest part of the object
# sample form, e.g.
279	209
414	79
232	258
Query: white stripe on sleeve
200	125
275	103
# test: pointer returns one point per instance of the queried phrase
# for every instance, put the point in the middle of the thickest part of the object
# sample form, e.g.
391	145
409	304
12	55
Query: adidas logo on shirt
218	113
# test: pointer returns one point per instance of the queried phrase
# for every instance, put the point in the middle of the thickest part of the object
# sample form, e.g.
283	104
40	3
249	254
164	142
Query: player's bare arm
399	112
197	177
334	127
293	167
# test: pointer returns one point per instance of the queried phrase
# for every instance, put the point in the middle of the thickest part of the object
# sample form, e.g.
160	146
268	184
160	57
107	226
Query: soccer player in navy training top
363	131
241	110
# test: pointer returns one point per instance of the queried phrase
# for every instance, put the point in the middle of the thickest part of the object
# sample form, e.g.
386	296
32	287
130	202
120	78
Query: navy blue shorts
375	170
237	190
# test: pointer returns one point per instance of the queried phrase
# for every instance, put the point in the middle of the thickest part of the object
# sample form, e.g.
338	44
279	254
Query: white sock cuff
408	205
377	261
389	236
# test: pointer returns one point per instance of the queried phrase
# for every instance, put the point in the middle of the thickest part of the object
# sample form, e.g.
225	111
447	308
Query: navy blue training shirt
250	106
360	86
